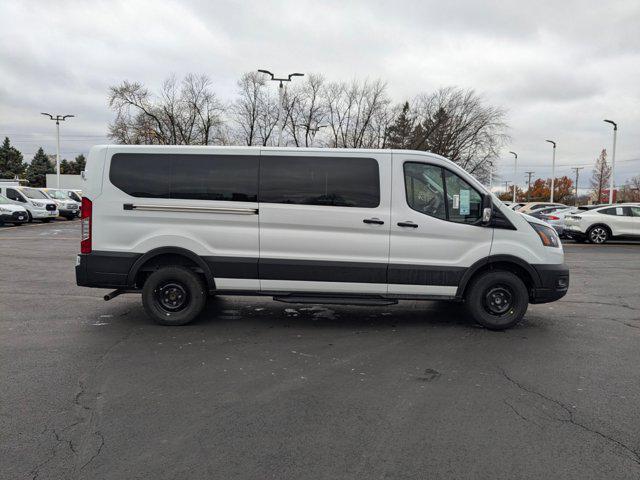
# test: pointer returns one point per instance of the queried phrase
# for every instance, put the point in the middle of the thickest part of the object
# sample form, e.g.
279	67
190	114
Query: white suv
604	223
38	205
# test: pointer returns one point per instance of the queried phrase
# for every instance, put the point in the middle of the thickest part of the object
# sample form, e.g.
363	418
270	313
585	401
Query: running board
338	300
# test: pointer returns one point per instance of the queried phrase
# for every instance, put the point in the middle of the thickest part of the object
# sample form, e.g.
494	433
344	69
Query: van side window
427	186
465	203
13	195
183	176
425	189
332	181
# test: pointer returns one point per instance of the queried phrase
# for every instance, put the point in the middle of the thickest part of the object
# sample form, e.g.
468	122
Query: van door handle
408	224
375	221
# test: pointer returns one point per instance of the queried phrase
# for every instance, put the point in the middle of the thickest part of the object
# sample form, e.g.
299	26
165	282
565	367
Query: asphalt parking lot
257	389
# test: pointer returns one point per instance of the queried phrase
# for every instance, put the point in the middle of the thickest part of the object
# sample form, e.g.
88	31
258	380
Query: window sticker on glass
465	201
456	202
619	211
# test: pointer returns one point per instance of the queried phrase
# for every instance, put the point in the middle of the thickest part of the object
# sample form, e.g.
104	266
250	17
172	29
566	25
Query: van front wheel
173	295
497	300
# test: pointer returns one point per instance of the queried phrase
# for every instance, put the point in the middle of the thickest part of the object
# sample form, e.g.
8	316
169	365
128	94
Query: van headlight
38	204
4	209
547	235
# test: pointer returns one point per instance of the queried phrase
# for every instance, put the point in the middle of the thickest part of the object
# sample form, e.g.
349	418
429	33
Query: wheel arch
599	224
510	263
164	256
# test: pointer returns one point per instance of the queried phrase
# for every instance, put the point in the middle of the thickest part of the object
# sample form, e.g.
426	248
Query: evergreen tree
66	167
401	131
79	164
38	169
11	162
601	176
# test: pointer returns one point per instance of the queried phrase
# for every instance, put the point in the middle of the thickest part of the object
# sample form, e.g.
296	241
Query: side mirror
486	216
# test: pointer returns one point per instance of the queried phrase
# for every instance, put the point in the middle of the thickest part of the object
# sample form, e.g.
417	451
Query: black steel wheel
174	295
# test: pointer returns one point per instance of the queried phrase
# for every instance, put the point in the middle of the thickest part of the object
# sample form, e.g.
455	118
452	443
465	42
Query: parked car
555	218
67	208
11	213
38	205
545	210
75	195
601	224
533	206
307	226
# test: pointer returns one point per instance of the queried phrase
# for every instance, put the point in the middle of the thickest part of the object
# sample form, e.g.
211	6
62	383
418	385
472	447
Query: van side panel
224	233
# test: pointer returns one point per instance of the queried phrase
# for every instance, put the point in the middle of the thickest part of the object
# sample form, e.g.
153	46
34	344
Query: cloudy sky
558	67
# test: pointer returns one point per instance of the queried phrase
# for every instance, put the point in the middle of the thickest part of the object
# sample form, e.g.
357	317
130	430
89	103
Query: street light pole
553	168
515	172
58	119
613	160
281	95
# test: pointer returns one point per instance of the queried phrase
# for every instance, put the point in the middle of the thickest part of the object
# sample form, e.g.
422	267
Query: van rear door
324	221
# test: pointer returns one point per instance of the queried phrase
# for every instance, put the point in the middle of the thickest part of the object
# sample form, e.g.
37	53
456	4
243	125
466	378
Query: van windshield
57	194
32	193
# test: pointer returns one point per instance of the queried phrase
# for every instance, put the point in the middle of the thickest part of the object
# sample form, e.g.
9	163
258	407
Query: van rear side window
332	181
180	176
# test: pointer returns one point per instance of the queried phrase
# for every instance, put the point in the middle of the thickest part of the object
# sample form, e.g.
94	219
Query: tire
497	299
598	234
30	216
173	296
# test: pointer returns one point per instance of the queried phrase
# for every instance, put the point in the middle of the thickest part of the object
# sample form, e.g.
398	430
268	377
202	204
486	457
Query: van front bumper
553	285
14	217
38	214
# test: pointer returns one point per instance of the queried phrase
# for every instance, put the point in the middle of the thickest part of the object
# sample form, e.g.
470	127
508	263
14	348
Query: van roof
267	149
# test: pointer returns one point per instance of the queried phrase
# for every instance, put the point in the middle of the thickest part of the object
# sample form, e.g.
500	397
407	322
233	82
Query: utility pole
281	95
553	168
577	169
613	160
58	119
515	173
506	185
529	184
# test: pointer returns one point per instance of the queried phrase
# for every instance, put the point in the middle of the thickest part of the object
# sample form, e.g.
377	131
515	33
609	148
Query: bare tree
600	176
459	125
305	110
184	113
355	113
255	111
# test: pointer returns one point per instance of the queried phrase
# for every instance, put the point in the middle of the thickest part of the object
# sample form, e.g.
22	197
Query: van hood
531	219
12	207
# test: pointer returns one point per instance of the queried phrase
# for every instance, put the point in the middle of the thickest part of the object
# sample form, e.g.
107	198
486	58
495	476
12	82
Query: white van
67	207
38	205
11	213
365	227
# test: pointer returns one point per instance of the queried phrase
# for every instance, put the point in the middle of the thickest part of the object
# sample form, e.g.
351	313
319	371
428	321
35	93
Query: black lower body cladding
115	270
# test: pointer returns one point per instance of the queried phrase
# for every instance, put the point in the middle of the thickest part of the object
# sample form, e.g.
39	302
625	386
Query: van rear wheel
497	300
173	295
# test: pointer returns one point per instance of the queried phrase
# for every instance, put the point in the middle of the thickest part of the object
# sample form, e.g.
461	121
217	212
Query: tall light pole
553	168
281	93
577	169
613	159
58	119
506	185
515	172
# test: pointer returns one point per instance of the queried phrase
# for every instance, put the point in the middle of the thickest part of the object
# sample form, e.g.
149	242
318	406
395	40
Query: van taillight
85	226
